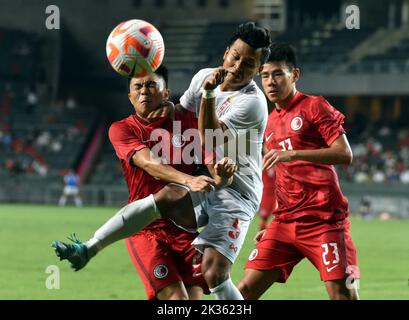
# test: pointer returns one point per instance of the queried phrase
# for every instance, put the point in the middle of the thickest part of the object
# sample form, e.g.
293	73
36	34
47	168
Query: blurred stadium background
58	96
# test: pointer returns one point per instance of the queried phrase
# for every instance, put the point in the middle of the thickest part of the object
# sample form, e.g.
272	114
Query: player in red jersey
305	138
167	263
162	252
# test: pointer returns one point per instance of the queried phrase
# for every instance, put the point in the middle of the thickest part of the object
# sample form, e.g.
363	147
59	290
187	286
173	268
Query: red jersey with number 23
305	188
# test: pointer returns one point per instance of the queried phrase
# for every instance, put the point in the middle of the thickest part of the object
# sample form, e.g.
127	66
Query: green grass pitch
26	232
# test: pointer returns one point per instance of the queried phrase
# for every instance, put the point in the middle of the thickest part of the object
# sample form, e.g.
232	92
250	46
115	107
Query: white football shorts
226	216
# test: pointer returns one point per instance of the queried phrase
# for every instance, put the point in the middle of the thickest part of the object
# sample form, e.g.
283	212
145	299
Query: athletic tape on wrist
208	94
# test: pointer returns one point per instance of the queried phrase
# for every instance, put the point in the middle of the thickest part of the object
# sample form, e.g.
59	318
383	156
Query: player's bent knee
170	194
215	268
213	277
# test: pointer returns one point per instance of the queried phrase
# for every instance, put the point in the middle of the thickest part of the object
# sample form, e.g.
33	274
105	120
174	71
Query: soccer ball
135	48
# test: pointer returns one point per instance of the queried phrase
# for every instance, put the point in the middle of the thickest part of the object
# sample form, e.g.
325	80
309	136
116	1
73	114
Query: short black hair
162	71
283	52
256	37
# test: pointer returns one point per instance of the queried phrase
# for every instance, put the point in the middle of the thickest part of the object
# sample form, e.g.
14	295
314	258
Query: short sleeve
124	140
247	113
329	121
191	98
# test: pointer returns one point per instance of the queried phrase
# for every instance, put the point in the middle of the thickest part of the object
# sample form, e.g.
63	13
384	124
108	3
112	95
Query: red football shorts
164	256
328	245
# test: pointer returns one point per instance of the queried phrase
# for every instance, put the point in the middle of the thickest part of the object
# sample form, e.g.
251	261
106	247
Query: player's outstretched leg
129	220
76	253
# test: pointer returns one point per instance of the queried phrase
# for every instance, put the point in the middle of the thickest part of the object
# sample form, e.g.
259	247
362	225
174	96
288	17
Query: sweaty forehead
148	78
245	50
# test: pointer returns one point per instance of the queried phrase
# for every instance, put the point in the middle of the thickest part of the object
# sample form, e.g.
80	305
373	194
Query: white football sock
226	291
126	222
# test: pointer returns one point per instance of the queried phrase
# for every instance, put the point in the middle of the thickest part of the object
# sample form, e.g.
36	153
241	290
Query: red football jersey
133	134
306	188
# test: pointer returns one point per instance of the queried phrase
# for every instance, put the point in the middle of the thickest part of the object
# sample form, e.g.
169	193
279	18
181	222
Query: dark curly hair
256	37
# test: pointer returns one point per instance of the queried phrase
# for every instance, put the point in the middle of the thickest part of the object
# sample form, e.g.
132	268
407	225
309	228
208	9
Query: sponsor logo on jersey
269	136
332	268
160	271
296	123
253	254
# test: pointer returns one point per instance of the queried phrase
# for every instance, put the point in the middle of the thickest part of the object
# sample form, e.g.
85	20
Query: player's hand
201	184
215	79
165	110
224	170
273	156
259	236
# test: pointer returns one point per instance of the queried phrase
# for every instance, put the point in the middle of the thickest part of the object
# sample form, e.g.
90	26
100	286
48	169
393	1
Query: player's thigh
173	291
187	259
275	255
174	202
255	282
329	246
154	261
225	234
342	289
229	217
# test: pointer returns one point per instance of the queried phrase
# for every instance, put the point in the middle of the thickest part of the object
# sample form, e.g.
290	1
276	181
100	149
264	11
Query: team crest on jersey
178	140
253	254
160	271
222	109
296	123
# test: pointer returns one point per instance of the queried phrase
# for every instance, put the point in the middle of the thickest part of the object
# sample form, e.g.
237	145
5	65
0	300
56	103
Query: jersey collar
294	100
155	124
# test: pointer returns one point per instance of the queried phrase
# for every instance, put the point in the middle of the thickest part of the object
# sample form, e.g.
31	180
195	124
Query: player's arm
339	152
207	112
144	160
223	172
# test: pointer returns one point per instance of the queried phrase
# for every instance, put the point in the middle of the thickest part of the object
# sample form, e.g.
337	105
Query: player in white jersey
229	104
243	115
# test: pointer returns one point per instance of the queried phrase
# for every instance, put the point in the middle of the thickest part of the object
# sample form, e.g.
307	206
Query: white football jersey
245	113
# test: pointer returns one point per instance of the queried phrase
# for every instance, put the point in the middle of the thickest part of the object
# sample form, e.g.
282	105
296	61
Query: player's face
278	80
146	94
242	63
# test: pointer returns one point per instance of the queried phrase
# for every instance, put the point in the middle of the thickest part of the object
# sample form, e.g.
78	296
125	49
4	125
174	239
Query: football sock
226	291
126	222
